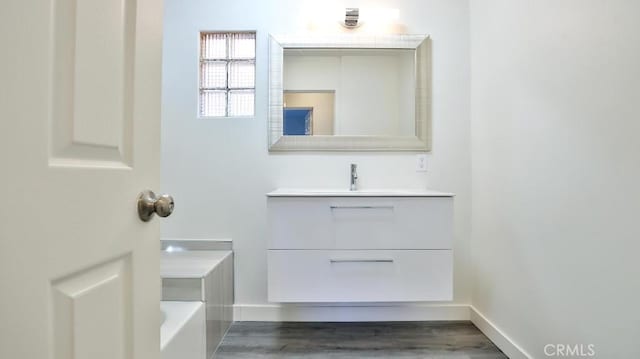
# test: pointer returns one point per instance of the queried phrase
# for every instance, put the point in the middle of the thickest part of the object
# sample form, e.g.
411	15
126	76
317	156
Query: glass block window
227	74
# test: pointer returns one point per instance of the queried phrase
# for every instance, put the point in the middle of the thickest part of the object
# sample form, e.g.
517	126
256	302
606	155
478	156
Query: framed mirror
350	93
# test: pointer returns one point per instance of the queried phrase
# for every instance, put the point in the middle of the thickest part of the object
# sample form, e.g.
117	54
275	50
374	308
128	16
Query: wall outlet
421	163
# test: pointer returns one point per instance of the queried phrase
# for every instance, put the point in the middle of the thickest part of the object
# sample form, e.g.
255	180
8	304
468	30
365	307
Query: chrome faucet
354	177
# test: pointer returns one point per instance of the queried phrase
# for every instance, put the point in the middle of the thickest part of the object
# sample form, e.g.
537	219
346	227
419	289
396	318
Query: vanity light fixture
351	17
325	18
370	17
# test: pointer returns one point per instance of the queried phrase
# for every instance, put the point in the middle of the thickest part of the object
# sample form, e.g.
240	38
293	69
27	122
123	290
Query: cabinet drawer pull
361	260
361	207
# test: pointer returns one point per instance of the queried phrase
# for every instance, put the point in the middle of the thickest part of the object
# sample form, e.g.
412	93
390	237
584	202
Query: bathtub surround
202	276
200	244
182	333
219	170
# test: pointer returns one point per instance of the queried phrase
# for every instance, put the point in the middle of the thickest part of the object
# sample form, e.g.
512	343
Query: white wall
556	172
219	170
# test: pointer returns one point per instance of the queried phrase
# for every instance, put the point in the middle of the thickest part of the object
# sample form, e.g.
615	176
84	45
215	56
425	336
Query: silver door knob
150	203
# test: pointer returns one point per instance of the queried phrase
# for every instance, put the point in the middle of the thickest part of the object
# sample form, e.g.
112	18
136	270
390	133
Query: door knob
150	203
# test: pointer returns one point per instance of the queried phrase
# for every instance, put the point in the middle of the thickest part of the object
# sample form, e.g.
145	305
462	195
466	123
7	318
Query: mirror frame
420	142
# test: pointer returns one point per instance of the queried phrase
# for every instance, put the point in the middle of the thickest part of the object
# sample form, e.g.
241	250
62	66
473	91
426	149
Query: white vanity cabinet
385	246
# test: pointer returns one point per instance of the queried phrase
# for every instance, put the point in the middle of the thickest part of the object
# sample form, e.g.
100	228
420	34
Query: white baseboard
349	312
497	336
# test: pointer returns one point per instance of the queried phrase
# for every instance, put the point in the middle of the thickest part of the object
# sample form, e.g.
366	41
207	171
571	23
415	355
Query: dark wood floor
446	340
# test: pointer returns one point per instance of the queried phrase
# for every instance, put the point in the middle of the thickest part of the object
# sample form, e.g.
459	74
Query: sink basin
314	192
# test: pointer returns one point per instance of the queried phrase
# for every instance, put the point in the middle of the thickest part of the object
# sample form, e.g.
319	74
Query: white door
79	139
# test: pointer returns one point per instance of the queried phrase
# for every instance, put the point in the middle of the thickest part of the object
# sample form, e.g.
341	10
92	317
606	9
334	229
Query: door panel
93	63
79	139
77	324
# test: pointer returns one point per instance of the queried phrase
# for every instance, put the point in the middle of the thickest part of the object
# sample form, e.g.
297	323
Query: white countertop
311	192
190	264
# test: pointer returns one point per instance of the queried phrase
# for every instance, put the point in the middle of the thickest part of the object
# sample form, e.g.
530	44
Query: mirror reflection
348	92
315	108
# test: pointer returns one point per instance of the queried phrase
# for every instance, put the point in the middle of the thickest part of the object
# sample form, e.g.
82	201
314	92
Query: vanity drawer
361	223
360	275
